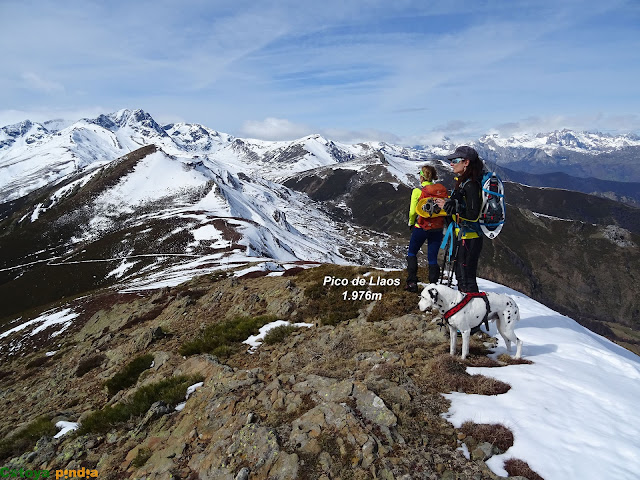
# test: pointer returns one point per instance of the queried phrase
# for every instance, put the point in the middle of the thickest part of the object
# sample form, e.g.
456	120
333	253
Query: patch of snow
542	215
46	320
254	341
65	427
190	391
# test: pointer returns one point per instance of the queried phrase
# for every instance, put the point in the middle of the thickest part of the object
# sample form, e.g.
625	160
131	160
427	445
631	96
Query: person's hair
429	173
473	171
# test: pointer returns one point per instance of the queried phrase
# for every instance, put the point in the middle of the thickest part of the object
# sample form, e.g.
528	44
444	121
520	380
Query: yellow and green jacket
415	196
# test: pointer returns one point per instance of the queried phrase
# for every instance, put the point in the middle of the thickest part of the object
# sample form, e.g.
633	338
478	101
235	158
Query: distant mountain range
33	155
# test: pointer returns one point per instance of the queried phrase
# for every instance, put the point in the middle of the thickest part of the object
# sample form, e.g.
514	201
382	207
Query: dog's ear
433	293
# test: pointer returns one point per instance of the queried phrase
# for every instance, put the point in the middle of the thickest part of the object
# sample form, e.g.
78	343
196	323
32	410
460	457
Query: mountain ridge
29	151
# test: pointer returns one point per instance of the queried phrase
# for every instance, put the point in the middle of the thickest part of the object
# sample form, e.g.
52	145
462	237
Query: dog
501	308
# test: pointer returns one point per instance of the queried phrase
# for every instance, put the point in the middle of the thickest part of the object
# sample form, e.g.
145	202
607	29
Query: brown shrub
515	467
145	317
509	360
87	364
38	362
292	272
448	374
254	274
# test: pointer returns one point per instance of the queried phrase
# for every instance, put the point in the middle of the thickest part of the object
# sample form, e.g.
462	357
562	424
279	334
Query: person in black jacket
464	206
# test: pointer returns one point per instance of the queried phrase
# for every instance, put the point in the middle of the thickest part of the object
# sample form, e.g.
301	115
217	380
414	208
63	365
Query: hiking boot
411	287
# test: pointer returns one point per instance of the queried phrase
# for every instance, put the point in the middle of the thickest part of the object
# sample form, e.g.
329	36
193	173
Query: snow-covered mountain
192	194
152	212
33	155
592	143
579	154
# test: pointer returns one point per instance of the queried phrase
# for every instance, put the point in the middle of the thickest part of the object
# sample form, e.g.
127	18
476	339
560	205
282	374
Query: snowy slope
31	156
171	213
574	411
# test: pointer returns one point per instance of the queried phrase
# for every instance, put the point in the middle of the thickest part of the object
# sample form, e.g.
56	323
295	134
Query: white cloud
36	82
275	129
283	129
9	117
358	136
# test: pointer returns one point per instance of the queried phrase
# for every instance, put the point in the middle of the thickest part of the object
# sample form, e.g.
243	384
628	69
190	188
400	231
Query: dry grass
515	467
448	374
482	361
325	303
509	360
495	434
394	303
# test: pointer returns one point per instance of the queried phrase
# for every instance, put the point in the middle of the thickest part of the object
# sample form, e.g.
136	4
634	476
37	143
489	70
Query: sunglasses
456	160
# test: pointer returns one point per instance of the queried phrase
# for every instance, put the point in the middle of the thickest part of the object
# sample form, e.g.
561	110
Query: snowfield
574	411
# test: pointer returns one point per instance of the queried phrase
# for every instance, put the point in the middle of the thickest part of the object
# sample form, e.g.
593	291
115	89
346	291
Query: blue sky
405	72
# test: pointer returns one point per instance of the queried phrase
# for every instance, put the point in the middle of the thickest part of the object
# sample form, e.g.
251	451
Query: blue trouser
433	238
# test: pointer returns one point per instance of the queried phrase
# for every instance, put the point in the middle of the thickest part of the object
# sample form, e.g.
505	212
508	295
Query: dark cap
464	152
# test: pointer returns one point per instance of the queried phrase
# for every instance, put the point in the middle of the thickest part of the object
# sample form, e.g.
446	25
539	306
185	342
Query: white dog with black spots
502	308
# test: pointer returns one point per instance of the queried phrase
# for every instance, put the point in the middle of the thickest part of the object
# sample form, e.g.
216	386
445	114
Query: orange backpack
428	218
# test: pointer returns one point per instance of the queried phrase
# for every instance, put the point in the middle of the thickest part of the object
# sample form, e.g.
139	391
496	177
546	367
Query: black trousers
467	264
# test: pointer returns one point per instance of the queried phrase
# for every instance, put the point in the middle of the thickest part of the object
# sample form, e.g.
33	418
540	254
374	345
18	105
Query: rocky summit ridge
353	394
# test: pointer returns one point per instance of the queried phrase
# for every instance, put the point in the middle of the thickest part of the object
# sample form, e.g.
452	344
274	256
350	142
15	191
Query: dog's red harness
466	299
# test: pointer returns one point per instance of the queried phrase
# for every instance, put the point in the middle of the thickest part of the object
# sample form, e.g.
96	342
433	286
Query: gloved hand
410	228
451	206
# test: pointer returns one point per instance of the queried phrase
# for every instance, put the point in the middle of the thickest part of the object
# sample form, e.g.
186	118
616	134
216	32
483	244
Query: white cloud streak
35	82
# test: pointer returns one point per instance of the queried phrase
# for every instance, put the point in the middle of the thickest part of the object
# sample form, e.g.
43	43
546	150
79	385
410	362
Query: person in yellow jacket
424	229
